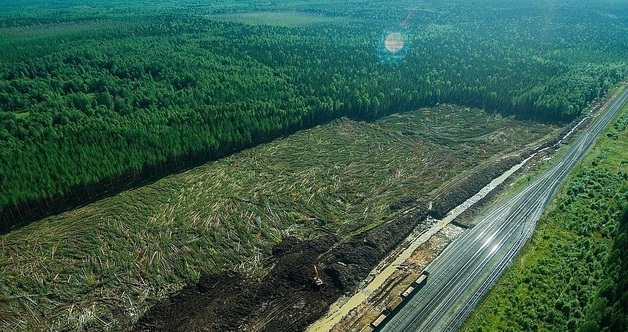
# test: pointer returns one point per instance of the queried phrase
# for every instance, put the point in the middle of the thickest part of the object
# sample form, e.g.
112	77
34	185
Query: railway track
467	269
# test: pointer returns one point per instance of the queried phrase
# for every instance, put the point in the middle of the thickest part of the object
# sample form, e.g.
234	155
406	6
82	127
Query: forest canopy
98	95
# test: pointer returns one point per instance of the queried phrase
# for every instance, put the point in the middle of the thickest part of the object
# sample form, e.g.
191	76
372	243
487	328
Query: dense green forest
98	95
609	310
572	274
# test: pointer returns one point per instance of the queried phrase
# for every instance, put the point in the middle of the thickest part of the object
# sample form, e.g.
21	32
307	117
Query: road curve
462	274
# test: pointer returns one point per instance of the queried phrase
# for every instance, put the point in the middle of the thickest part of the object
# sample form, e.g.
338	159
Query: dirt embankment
447	199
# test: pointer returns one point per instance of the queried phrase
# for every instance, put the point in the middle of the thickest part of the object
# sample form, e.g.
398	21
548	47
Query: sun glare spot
394	42
393	45
488	240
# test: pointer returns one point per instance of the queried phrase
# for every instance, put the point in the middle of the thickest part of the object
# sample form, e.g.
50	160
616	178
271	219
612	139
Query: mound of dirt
286	298
447	200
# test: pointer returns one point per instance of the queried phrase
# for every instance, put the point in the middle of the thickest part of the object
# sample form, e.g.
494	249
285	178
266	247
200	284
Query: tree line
100	103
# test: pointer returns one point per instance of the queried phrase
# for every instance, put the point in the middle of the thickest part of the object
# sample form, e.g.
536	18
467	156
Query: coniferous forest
99	95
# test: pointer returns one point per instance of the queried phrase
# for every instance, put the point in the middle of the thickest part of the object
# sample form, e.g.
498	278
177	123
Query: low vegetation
571	275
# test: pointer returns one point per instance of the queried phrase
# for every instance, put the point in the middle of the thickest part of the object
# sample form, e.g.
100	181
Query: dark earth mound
232	302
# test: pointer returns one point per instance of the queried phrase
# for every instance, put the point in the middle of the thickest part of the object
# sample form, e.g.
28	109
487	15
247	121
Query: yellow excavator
317	279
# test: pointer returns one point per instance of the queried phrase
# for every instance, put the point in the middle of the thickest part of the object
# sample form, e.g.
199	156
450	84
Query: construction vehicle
317	279
378	321
392	305
421	280
398	301
416	284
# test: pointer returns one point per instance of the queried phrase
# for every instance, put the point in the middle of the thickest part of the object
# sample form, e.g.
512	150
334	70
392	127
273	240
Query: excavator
317	279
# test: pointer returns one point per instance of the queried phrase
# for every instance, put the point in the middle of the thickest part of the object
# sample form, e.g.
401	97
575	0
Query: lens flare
393	45
394	42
